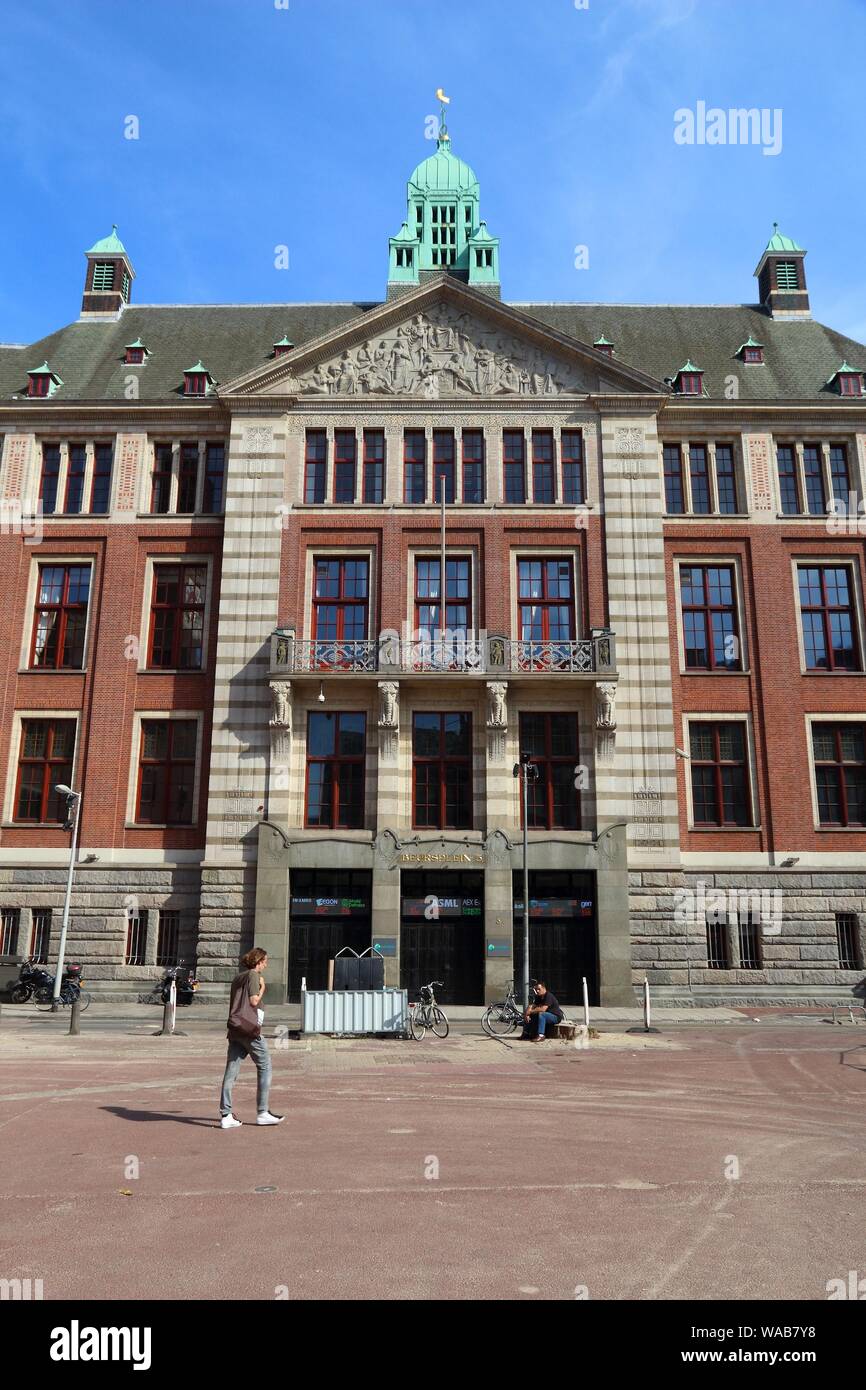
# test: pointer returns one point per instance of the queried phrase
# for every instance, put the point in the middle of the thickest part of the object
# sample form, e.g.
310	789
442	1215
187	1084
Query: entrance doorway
328	911
442	934
563	936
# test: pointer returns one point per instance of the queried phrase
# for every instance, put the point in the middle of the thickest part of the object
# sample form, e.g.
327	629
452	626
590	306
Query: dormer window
602	344
197	380
42	382
786	275
405	257
846	381
283	346
103	277
689	380
136	353
484	257
750	351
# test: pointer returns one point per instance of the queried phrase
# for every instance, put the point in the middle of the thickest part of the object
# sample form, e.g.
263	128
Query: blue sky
262	126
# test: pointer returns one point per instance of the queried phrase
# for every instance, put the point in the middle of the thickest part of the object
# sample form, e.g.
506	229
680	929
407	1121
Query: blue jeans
256	1048
543	1020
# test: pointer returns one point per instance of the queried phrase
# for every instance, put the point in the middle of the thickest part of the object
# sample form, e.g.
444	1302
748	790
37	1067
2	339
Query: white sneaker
268	1119
229	1122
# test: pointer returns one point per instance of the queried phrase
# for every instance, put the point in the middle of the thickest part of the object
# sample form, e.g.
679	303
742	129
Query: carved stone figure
497	714
605	705
281	705
388	709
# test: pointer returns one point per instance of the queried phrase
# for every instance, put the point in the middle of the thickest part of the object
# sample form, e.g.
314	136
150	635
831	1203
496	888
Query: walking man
245	1039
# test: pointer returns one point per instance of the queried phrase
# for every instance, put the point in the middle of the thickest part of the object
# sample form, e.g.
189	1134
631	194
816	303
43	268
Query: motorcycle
31	978
186	984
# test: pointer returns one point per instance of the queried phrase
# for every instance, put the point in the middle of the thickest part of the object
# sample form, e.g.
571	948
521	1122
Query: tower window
405	257
484	257
124	289
786	275
443	218
103	277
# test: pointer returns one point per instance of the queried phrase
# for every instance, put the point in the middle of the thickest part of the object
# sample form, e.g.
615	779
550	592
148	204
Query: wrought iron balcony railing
487	655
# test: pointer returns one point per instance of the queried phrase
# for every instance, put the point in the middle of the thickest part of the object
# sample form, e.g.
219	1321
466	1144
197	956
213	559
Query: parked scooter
186	984
31	978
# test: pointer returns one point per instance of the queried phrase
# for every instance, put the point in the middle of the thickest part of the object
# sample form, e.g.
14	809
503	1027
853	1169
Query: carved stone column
280	730
605	720
497	718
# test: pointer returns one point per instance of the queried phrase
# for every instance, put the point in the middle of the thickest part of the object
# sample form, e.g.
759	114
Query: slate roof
800	354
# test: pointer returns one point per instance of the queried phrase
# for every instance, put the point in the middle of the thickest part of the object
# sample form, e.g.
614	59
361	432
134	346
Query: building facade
290	589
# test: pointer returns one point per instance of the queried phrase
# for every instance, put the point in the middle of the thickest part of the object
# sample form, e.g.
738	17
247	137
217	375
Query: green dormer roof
405	237
605	342
844	370
285	342
778	243
482	236
689	367
108	246
199	367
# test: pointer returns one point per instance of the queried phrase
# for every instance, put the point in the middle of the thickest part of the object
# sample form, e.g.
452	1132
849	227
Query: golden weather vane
443	102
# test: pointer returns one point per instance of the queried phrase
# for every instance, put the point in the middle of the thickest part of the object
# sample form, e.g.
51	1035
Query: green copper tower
443	230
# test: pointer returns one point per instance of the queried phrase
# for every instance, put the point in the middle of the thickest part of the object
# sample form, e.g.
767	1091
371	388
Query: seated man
544	1010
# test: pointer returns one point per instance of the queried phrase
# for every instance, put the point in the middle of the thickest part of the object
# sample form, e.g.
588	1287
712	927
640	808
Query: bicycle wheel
417	1024
85	1000
498	1021
439	1023
44	994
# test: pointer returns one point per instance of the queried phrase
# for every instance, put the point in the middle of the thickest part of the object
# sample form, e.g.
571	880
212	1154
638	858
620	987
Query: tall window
177	617
514	465
316	466
60	620
840	773
813	472
749	937
443	220
40	935
827	618
166	772
188	478
136	938
100	487
340	598
573	481
344	465
718	945
442	771
674	494
50	478
428	596
786	459
374	465
214	478
840	480
76	465
160	489
542	466
546	601
44	761
726	481
710	629
699	474
720	786
551	740
443	465
335	770
473	465
168	938
414	466
848	941
10	925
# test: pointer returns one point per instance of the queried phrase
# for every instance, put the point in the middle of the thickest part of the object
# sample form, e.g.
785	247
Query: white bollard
585	1004
646	1004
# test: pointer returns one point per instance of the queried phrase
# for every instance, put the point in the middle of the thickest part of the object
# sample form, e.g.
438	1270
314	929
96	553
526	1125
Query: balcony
486	655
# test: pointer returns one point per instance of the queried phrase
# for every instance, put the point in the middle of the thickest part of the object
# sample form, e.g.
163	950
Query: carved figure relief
497	714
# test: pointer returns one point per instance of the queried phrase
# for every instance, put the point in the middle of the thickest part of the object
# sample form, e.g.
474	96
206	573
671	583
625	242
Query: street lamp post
73	805
529	773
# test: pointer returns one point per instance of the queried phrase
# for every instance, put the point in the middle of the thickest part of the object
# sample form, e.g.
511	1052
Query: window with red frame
710	628
675	503
720	783
850	384
160	484
753	354
551	740
428	596
340	599
472	442
60	619
134	356
177	617
414	466
10	926
316	467
545	595
699	473
726	479
442	771
374	466
827	618
690	383
840	479
39	385
345	465
443	465
100	487
813	473
194	384
44	762
573	482
166	772
76	465
840	773
214	478
336	744
168	937
542	466
514	465
187	487
40	935
50	479
789	492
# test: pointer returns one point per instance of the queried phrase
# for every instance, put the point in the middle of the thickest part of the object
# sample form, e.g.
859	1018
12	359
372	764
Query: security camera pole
529	772
73	803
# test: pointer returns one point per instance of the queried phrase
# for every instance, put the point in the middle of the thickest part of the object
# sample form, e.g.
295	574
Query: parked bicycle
504	1016
70	990
425	1013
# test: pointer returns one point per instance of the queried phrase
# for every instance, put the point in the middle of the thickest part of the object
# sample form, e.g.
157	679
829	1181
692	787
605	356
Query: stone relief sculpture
281	732
605	705
443	353
497	714
281	705
389	695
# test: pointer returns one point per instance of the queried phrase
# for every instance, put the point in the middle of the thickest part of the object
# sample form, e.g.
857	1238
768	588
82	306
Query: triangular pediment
439	341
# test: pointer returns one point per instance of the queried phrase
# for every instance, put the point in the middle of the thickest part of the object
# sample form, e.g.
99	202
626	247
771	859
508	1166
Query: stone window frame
339	552
827	717
830	561
797	442
89	440
151	560
546	552
710	443
719	561
723	717
145	479
14	745
139	716
454	552
37	561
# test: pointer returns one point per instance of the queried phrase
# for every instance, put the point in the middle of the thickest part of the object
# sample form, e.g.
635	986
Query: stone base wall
226	925
798	942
